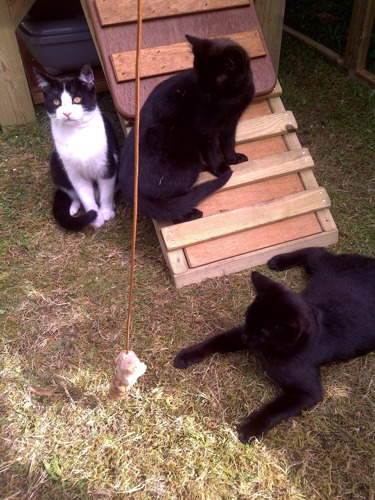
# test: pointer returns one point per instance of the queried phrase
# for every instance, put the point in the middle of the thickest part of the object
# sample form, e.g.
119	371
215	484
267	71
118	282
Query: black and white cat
292	335
187	125
84	164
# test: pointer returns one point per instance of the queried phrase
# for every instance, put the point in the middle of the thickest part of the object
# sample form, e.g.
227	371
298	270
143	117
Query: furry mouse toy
128	369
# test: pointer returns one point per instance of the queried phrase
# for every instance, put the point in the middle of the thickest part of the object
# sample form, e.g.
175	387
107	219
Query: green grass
63	316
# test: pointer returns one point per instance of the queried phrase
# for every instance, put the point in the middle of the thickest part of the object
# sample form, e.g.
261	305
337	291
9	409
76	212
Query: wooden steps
272	203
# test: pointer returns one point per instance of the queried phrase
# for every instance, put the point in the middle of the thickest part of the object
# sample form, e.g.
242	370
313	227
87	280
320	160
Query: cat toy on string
128	366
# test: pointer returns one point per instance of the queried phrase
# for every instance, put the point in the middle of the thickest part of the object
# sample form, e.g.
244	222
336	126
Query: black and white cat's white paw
108	213
99	221
103	215
74	207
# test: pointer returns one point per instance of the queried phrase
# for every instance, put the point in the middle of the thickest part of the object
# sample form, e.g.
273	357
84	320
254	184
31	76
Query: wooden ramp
272	203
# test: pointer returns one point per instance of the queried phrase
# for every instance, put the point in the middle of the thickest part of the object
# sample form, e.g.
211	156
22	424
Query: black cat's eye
56	102
77	99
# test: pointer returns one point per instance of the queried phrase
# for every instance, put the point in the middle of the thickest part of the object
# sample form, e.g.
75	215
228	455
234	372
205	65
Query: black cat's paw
194	214
220	169
240	158
250	429
236	158
186	358
277	263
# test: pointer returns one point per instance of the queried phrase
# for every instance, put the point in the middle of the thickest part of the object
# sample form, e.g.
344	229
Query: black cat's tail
181	208
60	210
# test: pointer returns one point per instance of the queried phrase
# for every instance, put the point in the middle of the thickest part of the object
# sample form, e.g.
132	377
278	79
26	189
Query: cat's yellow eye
77	100
56	102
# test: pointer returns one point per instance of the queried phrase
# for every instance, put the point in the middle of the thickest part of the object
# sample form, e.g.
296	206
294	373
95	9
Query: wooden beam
113	12
271	18
18	10
16	106
208	228
358	42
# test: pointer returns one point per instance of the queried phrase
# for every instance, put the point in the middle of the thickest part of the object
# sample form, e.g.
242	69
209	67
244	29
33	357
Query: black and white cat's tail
61	212
181	208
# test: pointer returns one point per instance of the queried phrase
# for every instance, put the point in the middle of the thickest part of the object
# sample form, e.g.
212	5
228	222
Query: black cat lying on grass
188	124
293	335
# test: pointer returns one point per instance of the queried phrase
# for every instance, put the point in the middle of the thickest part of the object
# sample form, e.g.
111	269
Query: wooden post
271	18
358	41
16	106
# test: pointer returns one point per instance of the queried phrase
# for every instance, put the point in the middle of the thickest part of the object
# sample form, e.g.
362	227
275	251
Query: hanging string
128	366
136	169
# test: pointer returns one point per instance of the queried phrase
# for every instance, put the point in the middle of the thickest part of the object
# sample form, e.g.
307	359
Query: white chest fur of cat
84	164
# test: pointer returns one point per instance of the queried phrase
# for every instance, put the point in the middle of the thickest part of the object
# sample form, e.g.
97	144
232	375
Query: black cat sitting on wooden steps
292	335
188	124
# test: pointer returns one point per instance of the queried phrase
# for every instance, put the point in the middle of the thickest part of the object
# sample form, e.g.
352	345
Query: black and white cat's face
69	101
220	63
278	320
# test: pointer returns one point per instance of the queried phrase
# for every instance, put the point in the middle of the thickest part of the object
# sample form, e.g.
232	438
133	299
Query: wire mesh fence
330	23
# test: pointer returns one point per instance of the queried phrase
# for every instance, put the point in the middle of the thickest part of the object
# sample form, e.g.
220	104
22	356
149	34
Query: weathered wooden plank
266	126
251	259
125	11
165	59
252	240
208	228
265	168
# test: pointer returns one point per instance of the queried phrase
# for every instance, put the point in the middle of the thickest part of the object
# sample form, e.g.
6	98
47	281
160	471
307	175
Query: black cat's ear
192	39
43	80
264	285
86	75
198	44
235	58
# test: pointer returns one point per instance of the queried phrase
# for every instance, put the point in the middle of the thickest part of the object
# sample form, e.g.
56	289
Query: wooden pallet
272	203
